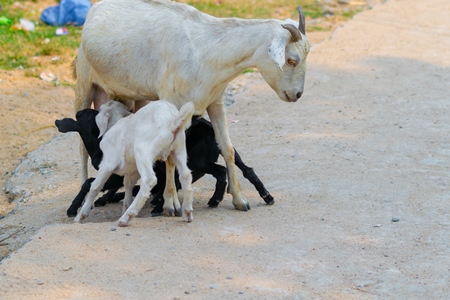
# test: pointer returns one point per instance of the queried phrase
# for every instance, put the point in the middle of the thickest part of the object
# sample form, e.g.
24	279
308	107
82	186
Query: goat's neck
92	144
237	41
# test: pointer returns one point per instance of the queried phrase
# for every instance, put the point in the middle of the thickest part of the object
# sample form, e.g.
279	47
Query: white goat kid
139	50
131	143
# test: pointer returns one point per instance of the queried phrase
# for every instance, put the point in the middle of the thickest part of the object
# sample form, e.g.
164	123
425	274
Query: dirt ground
358	167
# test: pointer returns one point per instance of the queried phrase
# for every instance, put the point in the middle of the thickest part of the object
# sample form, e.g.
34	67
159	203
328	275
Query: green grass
19	45
350	14
257	9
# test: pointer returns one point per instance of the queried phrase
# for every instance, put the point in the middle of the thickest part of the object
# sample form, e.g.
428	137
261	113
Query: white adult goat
139	50
131	143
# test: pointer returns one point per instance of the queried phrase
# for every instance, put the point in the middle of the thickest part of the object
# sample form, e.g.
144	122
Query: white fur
132	143
144	50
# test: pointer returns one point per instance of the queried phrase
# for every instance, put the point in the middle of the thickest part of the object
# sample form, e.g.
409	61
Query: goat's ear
276	52
102	121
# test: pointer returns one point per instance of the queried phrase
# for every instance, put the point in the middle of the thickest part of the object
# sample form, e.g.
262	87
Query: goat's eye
291	62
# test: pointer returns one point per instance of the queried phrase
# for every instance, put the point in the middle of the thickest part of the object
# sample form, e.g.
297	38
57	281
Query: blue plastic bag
67	12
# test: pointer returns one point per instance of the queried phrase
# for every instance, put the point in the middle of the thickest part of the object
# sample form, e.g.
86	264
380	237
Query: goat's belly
126	168
117	90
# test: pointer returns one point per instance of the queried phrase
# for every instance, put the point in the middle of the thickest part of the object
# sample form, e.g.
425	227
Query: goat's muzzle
292	99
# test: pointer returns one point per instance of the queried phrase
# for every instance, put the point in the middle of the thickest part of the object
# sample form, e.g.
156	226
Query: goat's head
285	71
109	113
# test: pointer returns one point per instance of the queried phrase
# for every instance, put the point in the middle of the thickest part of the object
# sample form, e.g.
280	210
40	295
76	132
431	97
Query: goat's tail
183	120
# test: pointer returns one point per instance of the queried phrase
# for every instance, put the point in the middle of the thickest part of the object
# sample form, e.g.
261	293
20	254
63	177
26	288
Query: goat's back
151	128
151	50
142	34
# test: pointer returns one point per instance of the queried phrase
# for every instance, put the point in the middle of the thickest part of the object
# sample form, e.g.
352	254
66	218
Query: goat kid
88	130
131	143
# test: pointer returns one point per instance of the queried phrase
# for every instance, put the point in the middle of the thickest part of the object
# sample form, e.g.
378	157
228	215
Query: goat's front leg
78	201
216	112
96	187
171	203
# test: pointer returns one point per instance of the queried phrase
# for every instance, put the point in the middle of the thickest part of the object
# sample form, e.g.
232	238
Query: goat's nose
299	94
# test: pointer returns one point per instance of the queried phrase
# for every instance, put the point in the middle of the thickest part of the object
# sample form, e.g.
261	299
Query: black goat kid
202	151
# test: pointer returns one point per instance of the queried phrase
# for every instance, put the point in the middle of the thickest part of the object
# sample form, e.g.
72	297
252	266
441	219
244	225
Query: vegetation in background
264	9
19	47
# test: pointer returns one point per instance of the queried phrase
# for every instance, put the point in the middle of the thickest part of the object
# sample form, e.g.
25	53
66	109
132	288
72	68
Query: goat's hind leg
172	205
220	174
185	177
251	176
148	180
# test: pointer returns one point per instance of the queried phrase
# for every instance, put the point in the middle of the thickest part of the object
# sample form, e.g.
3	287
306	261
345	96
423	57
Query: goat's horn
301	22
295	33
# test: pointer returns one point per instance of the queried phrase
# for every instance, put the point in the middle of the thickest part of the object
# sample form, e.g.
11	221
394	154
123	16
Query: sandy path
368	142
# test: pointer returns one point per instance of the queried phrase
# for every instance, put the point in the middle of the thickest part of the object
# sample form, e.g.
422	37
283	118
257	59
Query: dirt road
359	169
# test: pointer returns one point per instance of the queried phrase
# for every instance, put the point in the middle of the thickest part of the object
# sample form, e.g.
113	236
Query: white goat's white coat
140	50
133	144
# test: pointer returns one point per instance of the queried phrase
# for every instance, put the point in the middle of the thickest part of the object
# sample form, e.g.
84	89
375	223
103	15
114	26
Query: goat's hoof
157	211
213	203
71	214
178	212
243	207
170	212
188	216
123	223
269	199
83	214
99	203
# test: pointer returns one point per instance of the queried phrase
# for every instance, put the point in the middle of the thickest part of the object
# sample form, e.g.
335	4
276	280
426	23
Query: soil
358	168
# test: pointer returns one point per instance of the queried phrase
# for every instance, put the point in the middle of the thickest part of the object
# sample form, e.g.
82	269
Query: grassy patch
19	45
279	9
351	13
